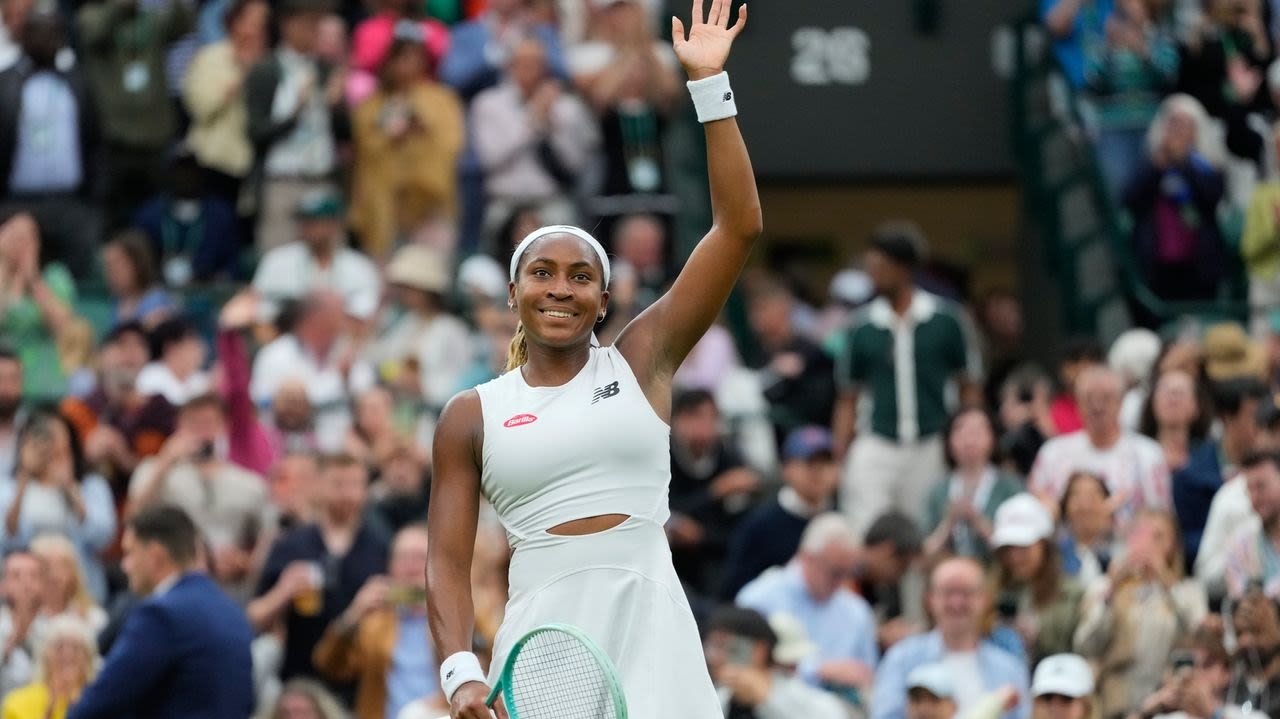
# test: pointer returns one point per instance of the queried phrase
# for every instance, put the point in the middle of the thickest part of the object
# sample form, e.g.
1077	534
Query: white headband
549	230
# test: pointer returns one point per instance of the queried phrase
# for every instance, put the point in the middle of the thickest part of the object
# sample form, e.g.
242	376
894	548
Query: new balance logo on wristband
605	392
728	97
449	676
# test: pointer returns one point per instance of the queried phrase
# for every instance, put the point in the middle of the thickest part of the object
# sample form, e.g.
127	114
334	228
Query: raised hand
705	49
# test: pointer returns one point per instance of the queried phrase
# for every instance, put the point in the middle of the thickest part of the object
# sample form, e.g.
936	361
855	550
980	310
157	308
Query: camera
205	452
1007	606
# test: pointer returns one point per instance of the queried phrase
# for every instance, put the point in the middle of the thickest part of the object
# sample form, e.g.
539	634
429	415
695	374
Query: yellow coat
1261	242
31	702
398	184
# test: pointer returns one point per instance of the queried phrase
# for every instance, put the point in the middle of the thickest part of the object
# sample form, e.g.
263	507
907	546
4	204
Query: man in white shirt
321	358
1133	465
176	373
229	504
22	587
319	260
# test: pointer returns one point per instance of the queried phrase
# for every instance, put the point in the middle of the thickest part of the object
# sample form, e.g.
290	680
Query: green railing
1086	237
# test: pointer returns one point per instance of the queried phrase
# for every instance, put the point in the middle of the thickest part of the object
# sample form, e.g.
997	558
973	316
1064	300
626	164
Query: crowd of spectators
881	507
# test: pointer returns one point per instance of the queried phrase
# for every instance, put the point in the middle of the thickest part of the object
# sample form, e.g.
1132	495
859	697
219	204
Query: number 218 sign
839	56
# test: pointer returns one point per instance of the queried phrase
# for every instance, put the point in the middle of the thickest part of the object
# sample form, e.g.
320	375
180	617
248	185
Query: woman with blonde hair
67	591
303	699
1135	615
68	661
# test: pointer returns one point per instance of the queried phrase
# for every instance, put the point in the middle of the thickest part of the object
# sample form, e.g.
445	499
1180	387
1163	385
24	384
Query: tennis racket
556	672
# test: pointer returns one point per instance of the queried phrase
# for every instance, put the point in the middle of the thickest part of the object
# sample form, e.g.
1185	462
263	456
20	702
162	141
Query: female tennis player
571	444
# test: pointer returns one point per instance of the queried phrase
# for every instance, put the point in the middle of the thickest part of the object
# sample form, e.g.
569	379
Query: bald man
958	600
1132	465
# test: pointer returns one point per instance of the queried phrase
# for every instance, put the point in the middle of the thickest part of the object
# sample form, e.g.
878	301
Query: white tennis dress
591	447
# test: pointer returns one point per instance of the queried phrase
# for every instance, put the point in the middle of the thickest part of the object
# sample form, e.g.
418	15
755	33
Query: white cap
793	644
1068	675
933	678
1021	522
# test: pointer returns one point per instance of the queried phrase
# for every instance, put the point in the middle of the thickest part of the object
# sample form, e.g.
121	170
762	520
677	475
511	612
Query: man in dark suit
184	651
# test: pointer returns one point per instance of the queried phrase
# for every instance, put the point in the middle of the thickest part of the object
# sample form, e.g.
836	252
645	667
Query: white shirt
589	58
157	378
966	677
291	272
21	667
46	156
1134	468
308	150
1230	513
328	389
222	506
441	345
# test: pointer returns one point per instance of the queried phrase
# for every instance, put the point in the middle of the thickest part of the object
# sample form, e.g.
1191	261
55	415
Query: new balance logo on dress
605	392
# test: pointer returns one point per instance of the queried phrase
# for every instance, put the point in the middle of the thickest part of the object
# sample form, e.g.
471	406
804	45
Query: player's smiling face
559	290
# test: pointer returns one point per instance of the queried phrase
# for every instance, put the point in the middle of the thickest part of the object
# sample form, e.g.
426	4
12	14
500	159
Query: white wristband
457	670
712	98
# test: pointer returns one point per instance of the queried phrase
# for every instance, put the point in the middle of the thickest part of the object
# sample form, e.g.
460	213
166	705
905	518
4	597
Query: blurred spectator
49	144
311	374
318	259
401	493
313	573
904	350
229	505
958	603
35	307
13	16
770	534
630	78
176	371
1086	540
1062	688
194	232
1028	578
66	589
252	442
1237	403
1174	418
1256	679
1133	617
1075	25
295	490
120	425
408	136
1133	465
124	48
306	699
213	94
378	642
68	662
23	587
1197	484
640	270
1251	554
930	693
1000	319
962	506
480	48
1127	75
1260	250
129	268
711	488
1026	417
184	650
296	112
753	668
1224	59
796	376
1078	355
373	432
532	137
54	490
373	38
1133	354
1174	198
426	349
11	413
812	588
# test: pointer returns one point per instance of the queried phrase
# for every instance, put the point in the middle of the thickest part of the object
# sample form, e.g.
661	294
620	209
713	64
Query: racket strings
556	677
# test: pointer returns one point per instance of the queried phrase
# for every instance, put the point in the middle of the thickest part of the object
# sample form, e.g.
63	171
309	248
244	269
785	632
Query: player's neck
552	367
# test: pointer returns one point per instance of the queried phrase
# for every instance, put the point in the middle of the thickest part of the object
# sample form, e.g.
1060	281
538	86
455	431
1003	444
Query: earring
602	316
511	306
